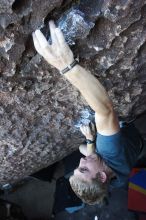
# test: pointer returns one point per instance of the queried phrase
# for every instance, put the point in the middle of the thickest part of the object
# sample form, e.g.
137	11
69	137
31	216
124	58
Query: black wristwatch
89	141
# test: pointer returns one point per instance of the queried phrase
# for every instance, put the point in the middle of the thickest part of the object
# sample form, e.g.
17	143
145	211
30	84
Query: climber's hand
58	54
87	132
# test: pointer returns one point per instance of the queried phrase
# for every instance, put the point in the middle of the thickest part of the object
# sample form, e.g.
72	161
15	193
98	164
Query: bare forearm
90	148
91	89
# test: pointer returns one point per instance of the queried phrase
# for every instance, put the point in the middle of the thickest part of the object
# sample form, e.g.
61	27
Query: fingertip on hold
51	22
37	31
33	33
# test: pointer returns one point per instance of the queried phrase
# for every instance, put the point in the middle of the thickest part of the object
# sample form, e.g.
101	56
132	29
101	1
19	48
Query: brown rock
40	111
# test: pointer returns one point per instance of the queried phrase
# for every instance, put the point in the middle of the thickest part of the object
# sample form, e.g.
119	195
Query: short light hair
94	192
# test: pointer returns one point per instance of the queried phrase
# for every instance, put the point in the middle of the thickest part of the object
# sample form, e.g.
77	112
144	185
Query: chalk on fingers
41	38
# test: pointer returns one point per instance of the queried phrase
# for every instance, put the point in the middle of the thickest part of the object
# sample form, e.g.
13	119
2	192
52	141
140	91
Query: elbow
107	110
110	107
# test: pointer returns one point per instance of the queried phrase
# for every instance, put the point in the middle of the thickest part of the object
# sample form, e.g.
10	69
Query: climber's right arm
60	56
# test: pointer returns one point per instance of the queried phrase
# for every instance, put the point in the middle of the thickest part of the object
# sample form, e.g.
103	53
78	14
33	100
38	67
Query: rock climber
111	154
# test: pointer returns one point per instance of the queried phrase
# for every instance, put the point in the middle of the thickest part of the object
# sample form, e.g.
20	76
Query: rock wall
40	111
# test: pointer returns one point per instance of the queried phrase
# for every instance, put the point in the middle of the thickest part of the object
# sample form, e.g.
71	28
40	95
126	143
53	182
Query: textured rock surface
39	110
74	26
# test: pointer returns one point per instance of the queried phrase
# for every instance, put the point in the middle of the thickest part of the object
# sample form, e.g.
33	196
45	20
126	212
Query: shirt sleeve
118	151
112	150
109	146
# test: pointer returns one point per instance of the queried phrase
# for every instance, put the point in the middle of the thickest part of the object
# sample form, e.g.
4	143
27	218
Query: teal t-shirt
120	152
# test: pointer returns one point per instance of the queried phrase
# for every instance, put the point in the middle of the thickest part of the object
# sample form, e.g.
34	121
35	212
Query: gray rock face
40	111
74	25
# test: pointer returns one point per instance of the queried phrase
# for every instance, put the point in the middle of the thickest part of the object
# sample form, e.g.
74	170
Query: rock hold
74	25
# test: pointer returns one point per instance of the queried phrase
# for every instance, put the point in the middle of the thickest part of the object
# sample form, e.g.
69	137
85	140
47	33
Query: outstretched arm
60	56
97	98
